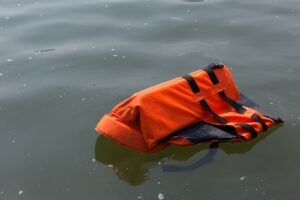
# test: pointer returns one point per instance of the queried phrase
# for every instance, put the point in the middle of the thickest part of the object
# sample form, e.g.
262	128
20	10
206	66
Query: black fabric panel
204	132
249	103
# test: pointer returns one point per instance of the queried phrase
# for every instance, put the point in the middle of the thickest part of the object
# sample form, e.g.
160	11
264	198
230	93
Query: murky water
63	64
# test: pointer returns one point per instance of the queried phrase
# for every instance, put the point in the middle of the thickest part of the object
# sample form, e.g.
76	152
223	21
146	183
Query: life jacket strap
250	129
193	85
238	107
209	70
205	105
260	120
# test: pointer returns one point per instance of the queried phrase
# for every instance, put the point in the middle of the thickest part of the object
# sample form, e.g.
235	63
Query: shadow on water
133	167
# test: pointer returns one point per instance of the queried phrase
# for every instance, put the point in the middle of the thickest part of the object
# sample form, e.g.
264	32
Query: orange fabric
151	115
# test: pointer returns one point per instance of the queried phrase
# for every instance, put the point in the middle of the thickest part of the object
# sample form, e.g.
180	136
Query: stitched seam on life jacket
213	91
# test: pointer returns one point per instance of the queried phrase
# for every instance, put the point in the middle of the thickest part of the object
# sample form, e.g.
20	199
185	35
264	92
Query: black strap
260	120
238	107
193	85
249	128
205	105
211	74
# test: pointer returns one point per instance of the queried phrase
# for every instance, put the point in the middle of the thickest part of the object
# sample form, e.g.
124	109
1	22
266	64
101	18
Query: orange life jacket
203	106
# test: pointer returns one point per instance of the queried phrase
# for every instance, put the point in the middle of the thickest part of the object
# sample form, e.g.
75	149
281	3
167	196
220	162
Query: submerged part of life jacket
203	106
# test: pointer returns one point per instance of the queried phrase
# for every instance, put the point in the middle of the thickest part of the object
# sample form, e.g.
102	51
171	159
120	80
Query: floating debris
44	50
161	196
29	58
20	192
1	74
9	60
201	1
13	141
93	160
115	55
176	18
243	178
110	165
83	99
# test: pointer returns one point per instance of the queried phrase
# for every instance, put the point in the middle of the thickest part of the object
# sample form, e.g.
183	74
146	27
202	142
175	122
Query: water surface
64	64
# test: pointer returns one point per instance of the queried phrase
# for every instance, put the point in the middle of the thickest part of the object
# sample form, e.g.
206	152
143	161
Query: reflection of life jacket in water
203	106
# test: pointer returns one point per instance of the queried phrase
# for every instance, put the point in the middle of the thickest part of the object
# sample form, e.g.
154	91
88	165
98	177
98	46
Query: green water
64	64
